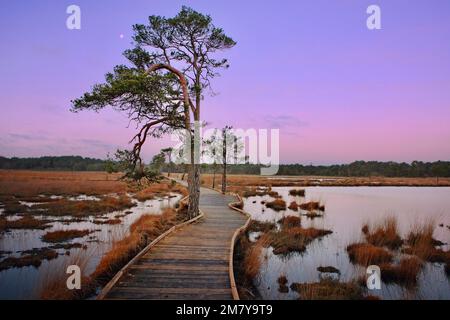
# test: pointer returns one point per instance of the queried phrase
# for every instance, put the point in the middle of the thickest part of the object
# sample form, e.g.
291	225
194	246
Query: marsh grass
65	207
312	205
29	258
292	239
290	222
259	226
64	235
282	284
405	273
277	204
161	189
53	280
32	183
297	192
108	221
328	289
422	244
25	222
142	232
384	234
367	254
293	206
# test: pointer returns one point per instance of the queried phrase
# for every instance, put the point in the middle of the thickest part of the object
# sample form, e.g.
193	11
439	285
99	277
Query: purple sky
337	91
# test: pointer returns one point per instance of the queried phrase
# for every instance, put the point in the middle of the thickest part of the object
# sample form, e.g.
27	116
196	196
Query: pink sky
337	91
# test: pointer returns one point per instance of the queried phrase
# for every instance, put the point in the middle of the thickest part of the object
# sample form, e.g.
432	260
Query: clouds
39	144
283	122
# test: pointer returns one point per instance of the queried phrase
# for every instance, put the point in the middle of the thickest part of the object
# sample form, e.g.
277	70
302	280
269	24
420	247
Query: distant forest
65	163
357	168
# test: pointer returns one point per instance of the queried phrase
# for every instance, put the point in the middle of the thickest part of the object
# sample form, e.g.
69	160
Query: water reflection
346	210
23	283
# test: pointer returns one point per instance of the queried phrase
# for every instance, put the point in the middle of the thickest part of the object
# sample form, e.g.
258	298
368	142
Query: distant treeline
357	168
65	163
354	169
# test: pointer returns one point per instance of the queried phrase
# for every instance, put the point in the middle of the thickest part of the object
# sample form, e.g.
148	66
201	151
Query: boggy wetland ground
49	220
307	242
316	242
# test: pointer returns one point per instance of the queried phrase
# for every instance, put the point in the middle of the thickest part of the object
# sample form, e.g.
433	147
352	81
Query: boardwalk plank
191	263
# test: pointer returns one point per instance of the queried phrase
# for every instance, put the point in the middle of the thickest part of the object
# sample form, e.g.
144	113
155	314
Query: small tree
168	152
223	148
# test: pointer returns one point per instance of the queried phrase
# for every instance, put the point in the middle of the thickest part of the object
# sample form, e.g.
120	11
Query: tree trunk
184	172
170	163
224	161
214	176
194	190
194	175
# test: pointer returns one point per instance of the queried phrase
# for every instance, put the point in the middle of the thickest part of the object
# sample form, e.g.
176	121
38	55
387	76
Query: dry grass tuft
328	289
64	235
54	281
293	206
328	269
405	273
64	207
258	226
384	234
160	190
312	205
292	239
297	192
26	222
108	221
422	244
290	222
282	282
277	204
367	254
30	258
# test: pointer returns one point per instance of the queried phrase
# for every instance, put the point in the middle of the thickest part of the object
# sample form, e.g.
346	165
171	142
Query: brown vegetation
108	221
328	289
282	282
366	254
293	206
277	204
258	226
328	269
26	222
312	205
290	222
64	235
384	234
422	244
32	183
28	258
292	239
53	284
142	232
297	192
239	180
64	207
405	273
160	190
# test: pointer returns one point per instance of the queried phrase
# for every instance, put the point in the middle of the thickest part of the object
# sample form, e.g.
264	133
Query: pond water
347	209
24	283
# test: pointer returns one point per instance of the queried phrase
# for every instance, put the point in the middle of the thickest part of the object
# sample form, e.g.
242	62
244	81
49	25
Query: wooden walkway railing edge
238	231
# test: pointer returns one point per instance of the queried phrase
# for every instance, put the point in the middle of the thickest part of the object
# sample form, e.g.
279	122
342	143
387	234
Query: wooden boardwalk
191	263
